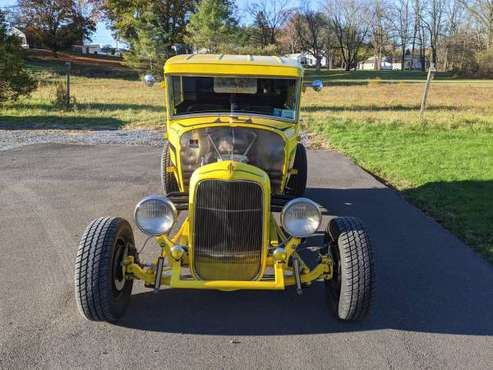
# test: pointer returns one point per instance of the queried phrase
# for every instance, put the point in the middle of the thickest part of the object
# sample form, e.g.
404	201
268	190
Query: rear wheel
101	290
297	183
351	289
168	179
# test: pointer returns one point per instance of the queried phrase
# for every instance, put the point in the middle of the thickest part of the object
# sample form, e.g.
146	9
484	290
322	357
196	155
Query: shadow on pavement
427	281
464	207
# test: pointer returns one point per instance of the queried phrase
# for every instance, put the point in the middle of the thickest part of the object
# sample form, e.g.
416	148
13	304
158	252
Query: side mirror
317	85
149	80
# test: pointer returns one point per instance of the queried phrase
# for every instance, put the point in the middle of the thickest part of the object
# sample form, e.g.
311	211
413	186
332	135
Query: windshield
234	95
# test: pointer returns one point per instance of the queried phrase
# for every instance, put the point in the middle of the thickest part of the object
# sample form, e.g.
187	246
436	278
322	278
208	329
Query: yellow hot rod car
233	161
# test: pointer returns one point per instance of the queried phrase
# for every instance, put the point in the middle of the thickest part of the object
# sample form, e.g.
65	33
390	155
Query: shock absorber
159	274
297	277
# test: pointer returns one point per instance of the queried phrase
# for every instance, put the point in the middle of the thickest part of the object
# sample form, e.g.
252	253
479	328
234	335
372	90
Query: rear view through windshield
234	95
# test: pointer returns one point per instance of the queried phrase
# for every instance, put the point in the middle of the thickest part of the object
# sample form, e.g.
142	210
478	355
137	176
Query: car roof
223	64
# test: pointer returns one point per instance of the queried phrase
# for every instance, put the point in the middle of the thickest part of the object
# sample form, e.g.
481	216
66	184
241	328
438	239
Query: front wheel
351	289
102	292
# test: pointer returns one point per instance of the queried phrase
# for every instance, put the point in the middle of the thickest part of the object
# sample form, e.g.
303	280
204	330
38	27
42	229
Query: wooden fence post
431	74
68	65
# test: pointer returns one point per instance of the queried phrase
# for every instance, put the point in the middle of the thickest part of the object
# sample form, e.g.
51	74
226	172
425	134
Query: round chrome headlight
301	217
155	215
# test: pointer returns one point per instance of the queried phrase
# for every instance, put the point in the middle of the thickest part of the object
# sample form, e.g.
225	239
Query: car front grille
227	239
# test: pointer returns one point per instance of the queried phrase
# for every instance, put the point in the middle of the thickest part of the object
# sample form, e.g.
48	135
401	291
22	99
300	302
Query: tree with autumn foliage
56	24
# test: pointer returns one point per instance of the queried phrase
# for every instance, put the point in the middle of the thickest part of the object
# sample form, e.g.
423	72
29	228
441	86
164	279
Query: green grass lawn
443	164
446	172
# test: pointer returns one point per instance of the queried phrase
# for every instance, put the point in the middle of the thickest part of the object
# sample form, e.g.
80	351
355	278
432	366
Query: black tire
168	180
351	290
297	183
101	291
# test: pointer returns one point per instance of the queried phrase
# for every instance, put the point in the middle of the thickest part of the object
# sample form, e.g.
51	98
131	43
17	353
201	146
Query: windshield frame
170	101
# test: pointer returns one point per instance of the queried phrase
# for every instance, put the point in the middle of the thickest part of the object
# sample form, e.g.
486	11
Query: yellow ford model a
234	164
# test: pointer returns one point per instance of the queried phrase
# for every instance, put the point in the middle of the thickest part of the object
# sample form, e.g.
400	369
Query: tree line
453	35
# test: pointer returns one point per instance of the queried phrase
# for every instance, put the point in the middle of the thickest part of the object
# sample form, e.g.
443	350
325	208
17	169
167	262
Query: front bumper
173	275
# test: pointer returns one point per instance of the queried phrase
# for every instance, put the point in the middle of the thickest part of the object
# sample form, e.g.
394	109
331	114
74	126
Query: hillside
82	65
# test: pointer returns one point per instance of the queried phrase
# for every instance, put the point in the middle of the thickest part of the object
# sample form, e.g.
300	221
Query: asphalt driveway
434	306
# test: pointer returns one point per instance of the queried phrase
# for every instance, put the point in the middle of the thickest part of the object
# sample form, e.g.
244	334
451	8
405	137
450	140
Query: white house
386	64
307	59
111	51
411	63
21	35
91	49
371	64
97	49
183	49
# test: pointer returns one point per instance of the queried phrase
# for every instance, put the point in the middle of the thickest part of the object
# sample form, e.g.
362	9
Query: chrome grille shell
228	237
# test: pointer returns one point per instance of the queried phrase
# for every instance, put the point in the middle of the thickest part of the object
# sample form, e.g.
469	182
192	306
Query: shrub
485	61
14	79
60	99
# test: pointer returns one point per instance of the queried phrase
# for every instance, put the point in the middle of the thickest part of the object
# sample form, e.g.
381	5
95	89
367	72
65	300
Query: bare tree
400	24
378	32
453	39
269	18
330	43
434	23
351	20
418	38
289	36
309	26
482	11
416	22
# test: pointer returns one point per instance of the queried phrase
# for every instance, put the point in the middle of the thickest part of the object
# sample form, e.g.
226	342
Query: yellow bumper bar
276	284
324	269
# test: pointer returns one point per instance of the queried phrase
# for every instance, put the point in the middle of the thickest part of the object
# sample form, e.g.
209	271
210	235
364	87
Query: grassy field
443	164
108	96
339	77
100	104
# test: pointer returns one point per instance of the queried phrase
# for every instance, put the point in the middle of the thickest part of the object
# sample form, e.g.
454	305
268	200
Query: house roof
16	31
222	64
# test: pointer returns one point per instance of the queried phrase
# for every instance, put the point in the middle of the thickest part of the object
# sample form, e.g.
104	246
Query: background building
21	35
307	59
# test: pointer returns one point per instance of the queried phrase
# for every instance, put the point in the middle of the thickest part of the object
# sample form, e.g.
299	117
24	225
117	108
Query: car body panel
229	170
233	65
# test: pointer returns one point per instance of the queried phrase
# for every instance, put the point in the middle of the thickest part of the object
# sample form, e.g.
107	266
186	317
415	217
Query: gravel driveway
10	139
